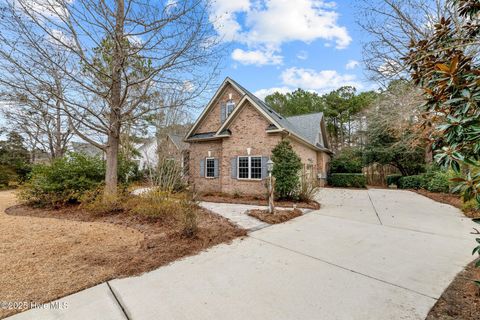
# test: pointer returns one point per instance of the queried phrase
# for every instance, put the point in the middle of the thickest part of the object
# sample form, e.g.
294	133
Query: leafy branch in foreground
446	68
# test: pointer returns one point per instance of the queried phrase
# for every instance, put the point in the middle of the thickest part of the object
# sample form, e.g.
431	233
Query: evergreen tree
286	167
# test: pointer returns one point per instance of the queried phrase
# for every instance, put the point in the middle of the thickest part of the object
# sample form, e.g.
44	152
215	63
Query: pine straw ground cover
451	199
278	216
258	201
461	300
47	254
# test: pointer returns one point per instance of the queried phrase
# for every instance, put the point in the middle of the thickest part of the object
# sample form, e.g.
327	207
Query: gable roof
308	128
178	141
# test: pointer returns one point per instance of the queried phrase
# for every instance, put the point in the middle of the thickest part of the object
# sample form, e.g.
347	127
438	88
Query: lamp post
270	186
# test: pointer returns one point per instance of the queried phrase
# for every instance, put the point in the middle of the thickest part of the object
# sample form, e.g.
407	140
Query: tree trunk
58	133
428	153
58	149
111	174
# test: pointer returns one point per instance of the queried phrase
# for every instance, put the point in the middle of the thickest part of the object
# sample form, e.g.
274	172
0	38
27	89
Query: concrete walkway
376	254
236	213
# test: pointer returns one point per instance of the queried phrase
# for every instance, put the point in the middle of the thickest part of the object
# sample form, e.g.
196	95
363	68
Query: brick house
233	137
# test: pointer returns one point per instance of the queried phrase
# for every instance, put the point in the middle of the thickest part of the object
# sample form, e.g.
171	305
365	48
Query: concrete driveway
376	254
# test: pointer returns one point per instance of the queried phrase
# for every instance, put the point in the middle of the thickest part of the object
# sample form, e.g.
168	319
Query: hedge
356	180
439	182
433	181
393	179
411	182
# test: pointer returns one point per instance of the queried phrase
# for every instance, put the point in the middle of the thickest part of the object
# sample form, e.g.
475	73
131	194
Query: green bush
64	180
128	170
348	160
439	182
355	180
412	182
7	176
286	169
393	179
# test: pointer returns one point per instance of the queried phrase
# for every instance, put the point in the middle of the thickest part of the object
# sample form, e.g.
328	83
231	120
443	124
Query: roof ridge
306	114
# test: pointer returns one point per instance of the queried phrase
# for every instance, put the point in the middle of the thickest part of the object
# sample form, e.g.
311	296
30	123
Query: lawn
47	254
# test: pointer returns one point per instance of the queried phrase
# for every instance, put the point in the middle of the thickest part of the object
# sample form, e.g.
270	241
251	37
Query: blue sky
285	44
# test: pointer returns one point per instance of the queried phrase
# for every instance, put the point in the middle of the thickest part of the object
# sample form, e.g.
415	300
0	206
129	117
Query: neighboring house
233	138
172	148
87	149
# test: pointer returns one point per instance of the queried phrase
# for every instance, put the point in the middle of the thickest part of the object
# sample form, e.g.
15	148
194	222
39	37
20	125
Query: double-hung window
210	168
249	167
229	106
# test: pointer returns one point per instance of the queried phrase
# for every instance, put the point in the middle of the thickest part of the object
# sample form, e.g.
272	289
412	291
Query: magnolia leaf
442	67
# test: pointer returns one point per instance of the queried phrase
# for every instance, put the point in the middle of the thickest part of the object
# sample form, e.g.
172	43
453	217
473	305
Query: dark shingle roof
308	126
202	135
178	141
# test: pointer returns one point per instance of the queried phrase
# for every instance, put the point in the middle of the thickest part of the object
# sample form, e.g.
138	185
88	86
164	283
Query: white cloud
352	64
223	17
256	57
390	68
267	24
302	55
320	81
48	9
262	93
59	38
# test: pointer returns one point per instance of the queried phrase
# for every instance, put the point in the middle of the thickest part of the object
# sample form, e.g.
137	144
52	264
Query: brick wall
198	151
212	121
247	131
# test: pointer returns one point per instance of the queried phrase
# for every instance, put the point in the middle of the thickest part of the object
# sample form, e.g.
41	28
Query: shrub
439	182
169	176
307	189
393	179
156	204
95	202
355	180
411	182
286	168
470	205
190	224
163	205
7	176
348	160
63	181
128	170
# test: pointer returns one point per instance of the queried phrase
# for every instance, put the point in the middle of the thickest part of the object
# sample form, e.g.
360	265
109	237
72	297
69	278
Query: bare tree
392	25
114	55
42	123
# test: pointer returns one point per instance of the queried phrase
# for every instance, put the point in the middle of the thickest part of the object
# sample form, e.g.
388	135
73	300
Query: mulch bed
278	216
461	300
77	250
225	198
448	198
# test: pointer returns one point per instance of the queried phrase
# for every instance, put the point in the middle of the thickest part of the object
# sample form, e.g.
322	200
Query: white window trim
249	168
206	171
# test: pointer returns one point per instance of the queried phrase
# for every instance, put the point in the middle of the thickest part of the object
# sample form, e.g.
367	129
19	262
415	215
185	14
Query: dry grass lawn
44	258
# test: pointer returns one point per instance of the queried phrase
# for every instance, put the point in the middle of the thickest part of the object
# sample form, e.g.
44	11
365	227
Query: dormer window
229	106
